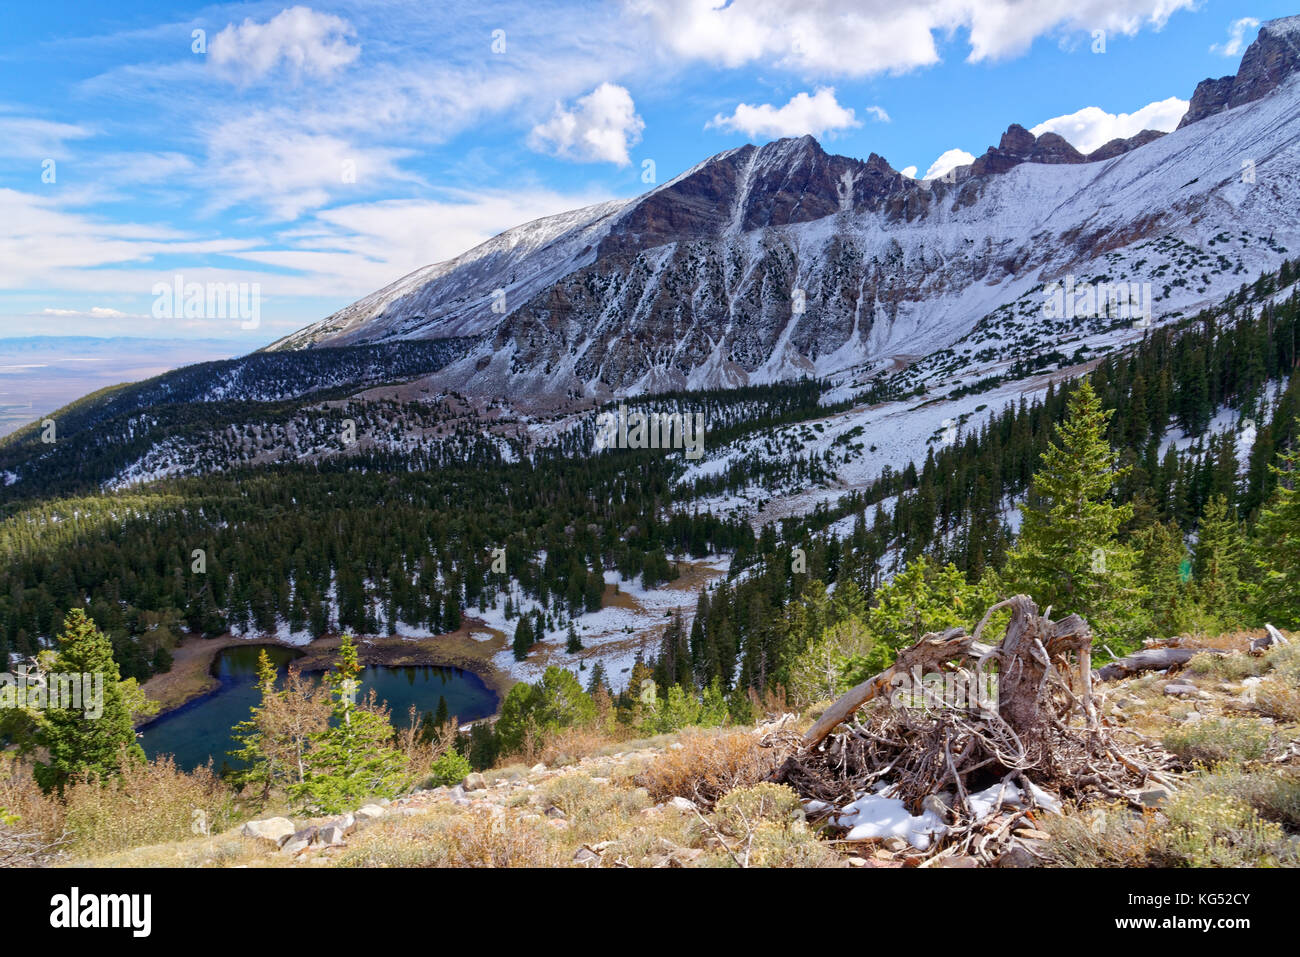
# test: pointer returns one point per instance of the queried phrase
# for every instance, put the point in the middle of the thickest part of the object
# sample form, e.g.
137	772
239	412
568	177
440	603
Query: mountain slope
766	263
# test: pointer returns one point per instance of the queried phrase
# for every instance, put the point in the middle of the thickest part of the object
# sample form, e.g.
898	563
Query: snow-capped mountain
766	263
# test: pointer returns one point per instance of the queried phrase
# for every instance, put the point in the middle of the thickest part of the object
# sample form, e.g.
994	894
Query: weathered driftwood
1150	659
1268	640
928	654
936	757
1031	643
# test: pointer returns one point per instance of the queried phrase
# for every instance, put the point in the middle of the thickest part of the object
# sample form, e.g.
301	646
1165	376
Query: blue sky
324	150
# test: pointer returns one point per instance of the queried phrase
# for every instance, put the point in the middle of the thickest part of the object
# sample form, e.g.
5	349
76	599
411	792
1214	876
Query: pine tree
597	678
523	638
1068	555
1217	562
255	766
79	744
352	759
573	645
1277	543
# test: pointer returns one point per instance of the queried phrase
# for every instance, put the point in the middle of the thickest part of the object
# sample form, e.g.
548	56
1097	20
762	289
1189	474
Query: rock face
1211	97
1119	146
1273	57
1018	145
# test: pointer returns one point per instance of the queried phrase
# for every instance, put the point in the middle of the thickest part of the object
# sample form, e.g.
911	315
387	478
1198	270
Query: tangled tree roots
1041	725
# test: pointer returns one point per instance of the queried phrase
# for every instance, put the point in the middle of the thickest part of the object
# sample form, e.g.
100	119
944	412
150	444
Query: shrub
764	826
739	811
449	768
147	803
1222	739
707	766
1278	699
594	812
1274	794
1218	830
1226	667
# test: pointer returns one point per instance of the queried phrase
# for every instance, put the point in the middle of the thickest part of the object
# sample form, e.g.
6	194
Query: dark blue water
201	729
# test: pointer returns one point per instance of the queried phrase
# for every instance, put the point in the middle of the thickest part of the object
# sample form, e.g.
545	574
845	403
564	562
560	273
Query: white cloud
878	114
356	249
95	312
1236	37
601	127
1091	127
261	161
48	246
862	37
311	43
948	160
25	137
909	172
346	251
816	114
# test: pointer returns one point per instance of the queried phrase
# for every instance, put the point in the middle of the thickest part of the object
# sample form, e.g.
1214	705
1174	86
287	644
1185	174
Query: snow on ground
880	815
615	635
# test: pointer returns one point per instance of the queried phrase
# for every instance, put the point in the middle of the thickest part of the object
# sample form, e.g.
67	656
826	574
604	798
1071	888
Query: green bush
450	768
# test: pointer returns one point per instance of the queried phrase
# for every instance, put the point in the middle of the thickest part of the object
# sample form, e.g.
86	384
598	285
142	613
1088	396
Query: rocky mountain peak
1273	57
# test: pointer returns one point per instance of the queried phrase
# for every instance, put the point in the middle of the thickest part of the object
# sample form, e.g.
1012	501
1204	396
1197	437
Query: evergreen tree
79	744
1217	563
352	759
1069	555
1277	543
523	638
573	645
254	764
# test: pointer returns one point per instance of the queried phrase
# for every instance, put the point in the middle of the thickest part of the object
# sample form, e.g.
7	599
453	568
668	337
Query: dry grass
148	803
1213	741
1278	699
454	838
33	812
708	765
573	744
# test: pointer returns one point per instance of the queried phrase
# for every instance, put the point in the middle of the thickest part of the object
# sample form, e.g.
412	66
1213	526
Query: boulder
331	835
370	812
474	782
1154	796
1015	856
294	846
274	830
685	805
299	841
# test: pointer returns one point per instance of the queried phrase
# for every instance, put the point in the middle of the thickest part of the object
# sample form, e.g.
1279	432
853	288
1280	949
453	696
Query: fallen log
1150	659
